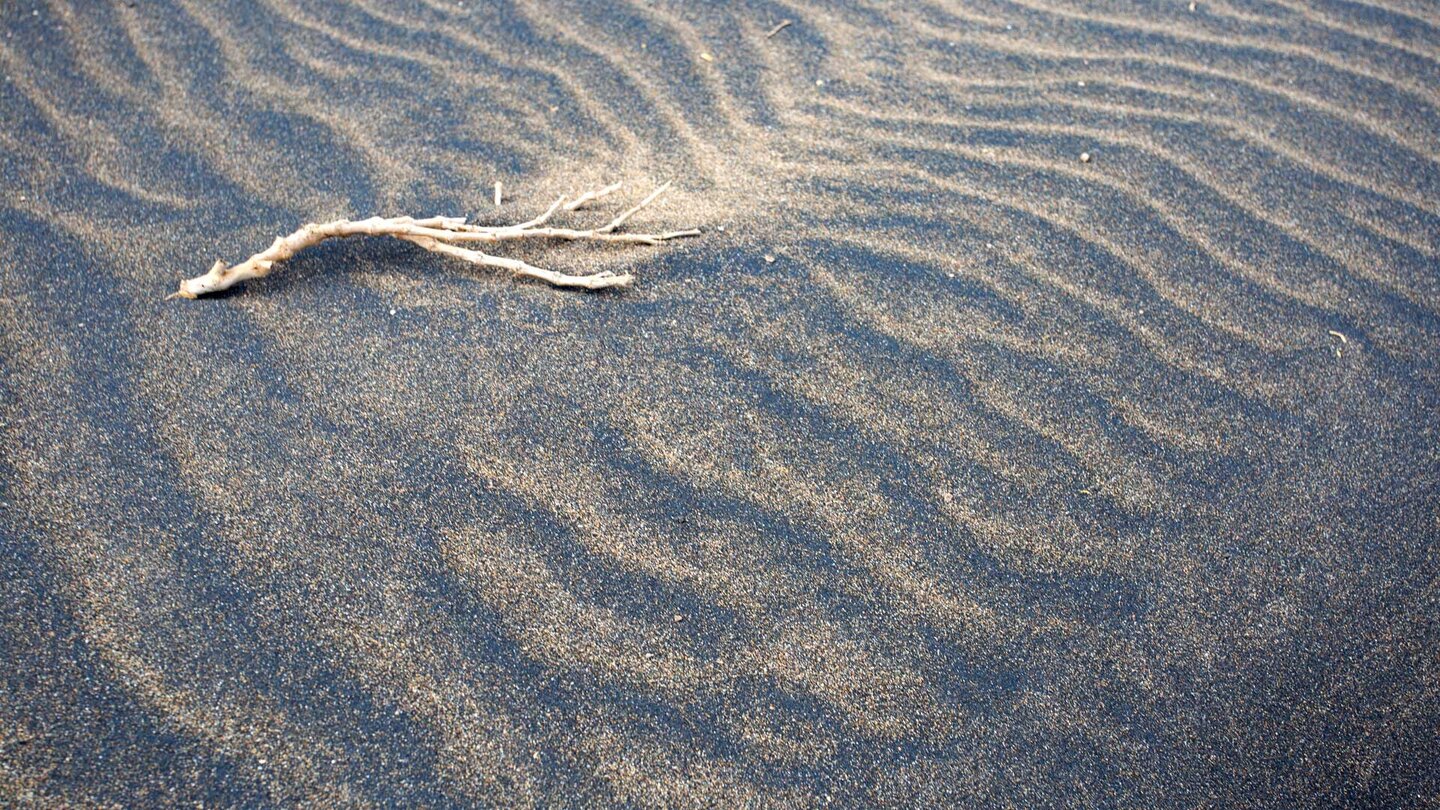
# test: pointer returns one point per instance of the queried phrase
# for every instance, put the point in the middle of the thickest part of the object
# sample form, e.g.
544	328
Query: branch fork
451	236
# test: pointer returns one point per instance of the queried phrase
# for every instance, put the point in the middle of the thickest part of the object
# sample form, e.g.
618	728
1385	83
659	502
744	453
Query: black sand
1012	480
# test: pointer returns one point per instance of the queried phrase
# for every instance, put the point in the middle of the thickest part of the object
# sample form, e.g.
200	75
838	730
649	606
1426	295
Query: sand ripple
1006	479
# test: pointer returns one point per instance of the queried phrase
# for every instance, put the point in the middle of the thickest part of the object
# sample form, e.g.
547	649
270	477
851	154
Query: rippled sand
1012	480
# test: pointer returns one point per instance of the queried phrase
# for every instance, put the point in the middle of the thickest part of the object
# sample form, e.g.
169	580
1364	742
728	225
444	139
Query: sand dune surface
946	468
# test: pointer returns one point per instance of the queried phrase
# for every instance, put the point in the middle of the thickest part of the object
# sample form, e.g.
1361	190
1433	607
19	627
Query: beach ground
1046	416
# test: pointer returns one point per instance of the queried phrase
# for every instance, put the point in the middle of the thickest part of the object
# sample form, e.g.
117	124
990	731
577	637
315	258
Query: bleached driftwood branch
447	235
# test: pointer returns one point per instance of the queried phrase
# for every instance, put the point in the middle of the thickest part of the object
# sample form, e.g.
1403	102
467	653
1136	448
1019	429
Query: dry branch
447	235
591	195
780	27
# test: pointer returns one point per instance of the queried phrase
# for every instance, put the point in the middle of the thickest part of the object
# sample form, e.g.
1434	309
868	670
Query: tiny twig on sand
783	24
447	235
591	195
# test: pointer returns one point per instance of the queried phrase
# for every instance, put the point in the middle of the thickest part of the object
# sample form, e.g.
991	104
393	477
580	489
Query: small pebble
769	259
679	618
1084	157
707	57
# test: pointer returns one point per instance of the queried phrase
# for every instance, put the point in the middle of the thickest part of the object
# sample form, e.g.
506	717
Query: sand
1008	479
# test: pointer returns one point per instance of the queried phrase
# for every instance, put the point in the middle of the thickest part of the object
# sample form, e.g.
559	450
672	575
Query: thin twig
620	220
444	235
540	220
594	281
591	195
780	27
